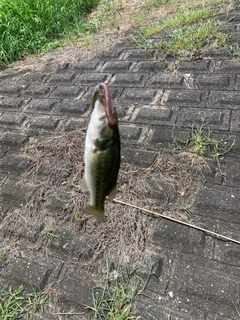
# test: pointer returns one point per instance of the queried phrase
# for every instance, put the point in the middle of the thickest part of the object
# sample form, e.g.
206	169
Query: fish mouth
103	88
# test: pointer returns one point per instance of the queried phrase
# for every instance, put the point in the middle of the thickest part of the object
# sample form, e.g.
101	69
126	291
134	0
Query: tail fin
98	213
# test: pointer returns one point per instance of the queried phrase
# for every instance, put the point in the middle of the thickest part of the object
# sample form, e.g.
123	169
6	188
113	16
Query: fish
102	153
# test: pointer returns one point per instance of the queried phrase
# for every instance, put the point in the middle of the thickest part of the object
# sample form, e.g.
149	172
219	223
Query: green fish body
102	159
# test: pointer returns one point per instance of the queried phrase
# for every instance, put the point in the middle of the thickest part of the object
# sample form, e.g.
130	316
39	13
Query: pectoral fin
84	186
112	193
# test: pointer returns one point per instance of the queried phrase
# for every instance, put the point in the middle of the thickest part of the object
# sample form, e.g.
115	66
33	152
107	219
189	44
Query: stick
68	313
211	233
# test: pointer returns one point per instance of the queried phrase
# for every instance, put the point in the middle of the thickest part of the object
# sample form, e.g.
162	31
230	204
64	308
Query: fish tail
98	213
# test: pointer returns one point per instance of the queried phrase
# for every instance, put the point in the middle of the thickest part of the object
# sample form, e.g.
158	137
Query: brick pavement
198	274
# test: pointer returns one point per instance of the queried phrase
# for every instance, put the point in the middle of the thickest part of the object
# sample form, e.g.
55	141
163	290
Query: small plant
188	208
114	301
78	215
14	304
2	256
200	141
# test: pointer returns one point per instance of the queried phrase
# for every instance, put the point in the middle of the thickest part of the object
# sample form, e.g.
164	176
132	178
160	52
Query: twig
69	313
211	233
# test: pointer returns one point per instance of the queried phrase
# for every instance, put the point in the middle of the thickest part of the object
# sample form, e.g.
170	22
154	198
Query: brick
166	307
93	78
217	54
37	91
12	119
228	66
140	54
226	251
232	172
63	67
219	202
44	123
67	92
29	273
235	120
75	289
116	66
185	98
111	54
38	77
196	66
67	244
166	81
12	104
128	79
149	66
136	96
13	140
90	66
11	90
156	115
214	81
205	283
164	135
124	112
75	124
171	235
237	82
45	106
224	100
163	193
131	132
15	193
77	107
139	157
62	78
14	163
214	119
57	202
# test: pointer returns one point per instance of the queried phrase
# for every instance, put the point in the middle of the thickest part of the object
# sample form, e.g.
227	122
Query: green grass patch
114	301
192	28
29	26
184	18
14	303
194	37
201	142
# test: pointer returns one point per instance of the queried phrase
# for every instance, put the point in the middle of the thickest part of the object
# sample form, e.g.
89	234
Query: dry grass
55	197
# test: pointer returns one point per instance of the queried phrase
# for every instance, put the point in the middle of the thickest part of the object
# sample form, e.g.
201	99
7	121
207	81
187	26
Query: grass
201	142
2	255
14	303
193	26
30	26
115	300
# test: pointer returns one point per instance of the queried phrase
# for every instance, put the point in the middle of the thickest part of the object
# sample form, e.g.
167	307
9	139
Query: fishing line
211	233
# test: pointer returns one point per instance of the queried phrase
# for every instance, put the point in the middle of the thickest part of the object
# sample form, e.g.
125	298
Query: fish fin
84	186
98	213
112	193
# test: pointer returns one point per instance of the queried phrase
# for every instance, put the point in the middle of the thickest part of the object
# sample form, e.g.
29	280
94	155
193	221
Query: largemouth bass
102	153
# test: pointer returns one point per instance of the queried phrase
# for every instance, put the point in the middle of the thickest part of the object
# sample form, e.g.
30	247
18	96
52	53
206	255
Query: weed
200	141
14	304
2	256
78	214
188	208
114	301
